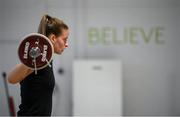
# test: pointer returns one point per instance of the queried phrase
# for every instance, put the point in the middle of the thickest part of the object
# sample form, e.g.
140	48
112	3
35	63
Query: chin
60	52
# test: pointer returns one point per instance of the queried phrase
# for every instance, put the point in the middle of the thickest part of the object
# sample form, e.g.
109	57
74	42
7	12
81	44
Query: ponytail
49	25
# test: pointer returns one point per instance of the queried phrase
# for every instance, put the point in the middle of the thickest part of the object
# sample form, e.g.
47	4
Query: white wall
176	86
151	70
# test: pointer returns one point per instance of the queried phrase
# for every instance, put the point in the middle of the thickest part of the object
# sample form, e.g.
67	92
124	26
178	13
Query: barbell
35	51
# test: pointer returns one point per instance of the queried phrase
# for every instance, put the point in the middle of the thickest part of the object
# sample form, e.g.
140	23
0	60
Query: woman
37	89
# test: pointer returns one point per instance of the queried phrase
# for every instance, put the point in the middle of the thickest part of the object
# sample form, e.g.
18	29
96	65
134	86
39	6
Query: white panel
97	87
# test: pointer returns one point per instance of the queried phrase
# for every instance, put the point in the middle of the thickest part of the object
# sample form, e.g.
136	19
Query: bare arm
18	73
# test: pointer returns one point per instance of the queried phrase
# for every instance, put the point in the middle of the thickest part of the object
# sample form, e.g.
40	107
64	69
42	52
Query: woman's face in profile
60	42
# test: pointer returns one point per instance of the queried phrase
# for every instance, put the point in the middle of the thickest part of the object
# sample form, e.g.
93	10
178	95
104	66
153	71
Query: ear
52	38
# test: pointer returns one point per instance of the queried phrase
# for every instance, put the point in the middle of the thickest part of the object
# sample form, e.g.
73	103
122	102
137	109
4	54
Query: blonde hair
51	25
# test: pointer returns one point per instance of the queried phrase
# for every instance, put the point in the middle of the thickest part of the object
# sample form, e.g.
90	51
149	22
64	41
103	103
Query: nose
66	45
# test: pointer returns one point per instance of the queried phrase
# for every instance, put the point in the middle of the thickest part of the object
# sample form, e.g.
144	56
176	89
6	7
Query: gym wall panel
21	17
97	88
150	66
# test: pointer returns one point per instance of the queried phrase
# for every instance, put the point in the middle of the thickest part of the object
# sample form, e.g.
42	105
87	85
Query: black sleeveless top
36	93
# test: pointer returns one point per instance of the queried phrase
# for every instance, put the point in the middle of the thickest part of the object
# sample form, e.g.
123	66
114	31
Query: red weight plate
35	40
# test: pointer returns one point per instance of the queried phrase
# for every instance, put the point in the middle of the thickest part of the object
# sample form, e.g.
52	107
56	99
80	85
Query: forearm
18	73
